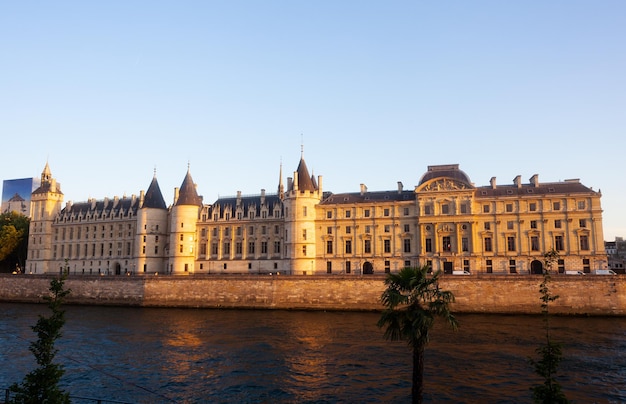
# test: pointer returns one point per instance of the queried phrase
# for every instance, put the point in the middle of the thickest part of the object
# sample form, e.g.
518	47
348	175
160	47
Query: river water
150	355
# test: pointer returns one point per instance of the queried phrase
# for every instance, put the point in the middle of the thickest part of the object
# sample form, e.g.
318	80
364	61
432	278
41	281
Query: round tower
183	221
152	232
46	203
302	196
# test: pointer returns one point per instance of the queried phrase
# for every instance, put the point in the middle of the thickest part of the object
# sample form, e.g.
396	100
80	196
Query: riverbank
578	295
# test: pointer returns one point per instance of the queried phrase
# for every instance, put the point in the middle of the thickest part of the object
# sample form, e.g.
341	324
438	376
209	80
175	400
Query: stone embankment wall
589	295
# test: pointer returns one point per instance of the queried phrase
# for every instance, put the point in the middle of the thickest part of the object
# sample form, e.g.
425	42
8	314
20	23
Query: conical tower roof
304	179
154	197
188	194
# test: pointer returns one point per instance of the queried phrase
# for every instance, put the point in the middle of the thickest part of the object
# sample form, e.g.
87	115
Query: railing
73	399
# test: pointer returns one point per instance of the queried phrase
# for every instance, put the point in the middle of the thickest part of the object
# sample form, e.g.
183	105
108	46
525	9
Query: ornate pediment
443	184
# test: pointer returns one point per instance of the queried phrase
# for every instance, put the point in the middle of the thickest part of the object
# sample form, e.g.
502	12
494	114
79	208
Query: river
156	355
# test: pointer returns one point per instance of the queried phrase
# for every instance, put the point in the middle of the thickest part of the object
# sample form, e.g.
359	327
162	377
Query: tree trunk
417	390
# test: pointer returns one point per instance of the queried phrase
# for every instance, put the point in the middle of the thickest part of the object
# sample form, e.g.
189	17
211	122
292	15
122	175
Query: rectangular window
329	230
304	211
226	250
584	242
251	247
387	245
387	228
238	248
429	245
556	206
251	230
582	223
263	247
533	224
304	234
557	224
367	229
329	247
329	267
407	228
510	224
348	246
488	246
558	243
329	214
586	266
561	265
406	211
534	243
238	231
407	245
387	267
347	214
465	244
366	213
512	267
532	207
386	212
348	267
485	208
487	226
276	247
510	243
445	209
214	248
489	266
466	266
367	247
348	229
447	246
464	208
581	205
304	250
509	207
427	210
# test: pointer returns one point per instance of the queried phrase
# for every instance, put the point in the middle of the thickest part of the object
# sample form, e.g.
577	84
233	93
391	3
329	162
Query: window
348	229
304	211
214	248
304	250
556	206
263	247
427	210
251	247
485	208
347	214
387	267
487	226
561	265
465	244
464	208
367	247
348	267
429	245
387	228
406	211
509	207
238	231
407	228
466	266
329	230
386	212
367	229
387	245
534	243
510	243
348	246
512	267
329	214
445	209
250	230
532	207
447	246
366	213
586	266
329	247
276	247
489	265
226	250
582	223
238	248
488	246
407	245
584	242
558	243
581	205
510	224
557	224
329	267
304	234
533	224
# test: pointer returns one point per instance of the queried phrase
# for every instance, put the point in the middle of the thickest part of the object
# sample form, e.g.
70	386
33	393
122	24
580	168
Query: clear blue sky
377	90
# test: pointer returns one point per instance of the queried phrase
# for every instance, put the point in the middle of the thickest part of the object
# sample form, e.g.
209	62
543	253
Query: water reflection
186	355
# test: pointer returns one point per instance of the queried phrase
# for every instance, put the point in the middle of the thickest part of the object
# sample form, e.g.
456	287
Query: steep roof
305	182
247	203
154	197
368	197
447	170
188	194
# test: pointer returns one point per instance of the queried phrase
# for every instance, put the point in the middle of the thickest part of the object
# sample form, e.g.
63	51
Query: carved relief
444	184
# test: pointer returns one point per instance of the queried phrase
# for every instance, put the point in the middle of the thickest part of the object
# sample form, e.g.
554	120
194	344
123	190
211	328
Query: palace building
445	222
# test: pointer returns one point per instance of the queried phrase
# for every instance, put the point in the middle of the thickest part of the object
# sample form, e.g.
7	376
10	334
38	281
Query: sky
110	92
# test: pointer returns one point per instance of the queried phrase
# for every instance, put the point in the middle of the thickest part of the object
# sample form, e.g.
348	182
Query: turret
151	231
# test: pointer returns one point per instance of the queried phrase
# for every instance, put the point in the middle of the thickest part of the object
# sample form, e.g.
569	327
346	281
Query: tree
550	354
413	300
13	239
42	384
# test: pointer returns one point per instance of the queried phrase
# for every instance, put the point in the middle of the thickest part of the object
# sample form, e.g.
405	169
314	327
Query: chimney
289	183
534	180
262	196
238	198
295	180
176	193
400	187
319	184
518	181
363	189
492	181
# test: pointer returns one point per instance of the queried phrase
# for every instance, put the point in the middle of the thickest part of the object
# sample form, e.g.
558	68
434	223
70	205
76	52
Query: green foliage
13	239
550	354
413	300
42	384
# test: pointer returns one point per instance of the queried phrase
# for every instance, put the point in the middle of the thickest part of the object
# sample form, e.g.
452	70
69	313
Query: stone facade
445	221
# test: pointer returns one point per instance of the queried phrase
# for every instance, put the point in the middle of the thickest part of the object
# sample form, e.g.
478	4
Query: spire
154	197
281	187
304	179
188	194
46	174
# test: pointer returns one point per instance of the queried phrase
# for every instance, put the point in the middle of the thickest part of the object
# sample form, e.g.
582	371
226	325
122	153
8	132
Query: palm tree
413	300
